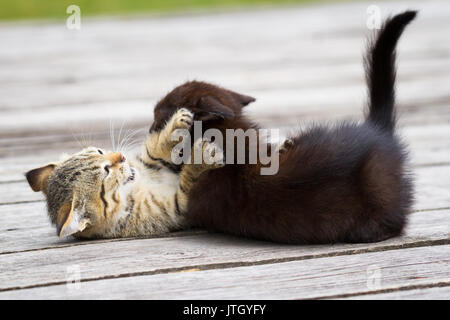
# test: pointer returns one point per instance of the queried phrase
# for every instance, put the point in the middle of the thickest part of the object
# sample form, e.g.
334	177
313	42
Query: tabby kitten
98	194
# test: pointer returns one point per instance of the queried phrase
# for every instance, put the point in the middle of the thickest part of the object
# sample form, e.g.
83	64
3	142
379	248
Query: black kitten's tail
380	71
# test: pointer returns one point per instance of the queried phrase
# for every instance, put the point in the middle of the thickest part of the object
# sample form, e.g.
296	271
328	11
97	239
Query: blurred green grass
37	9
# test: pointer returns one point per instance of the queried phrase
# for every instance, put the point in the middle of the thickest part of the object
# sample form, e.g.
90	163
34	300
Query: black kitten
345	183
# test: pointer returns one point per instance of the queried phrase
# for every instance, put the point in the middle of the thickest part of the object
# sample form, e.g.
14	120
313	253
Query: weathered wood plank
432	185
206	251
314	278
282	70
338	101
304	77
70	82
17	192
274	27
415	115
64	72
435	293
428	143
26	227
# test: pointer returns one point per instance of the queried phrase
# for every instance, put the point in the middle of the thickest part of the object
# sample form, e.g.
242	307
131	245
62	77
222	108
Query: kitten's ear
211	108
70	220
242	98
38	178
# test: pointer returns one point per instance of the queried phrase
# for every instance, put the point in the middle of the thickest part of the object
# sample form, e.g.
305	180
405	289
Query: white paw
183	119
286	145
212	154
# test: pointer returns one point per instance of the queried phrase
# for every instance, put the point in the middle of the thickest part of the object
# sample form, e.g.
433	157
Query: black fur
380	71
344	183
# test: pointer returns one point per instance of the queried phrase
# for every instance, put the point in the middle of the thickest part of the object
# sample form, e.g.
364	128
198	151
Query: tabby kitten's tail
380	71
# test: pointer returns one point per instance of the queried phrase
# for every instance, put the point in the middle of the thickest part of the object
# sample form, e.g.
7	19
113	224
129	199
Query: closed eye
100	151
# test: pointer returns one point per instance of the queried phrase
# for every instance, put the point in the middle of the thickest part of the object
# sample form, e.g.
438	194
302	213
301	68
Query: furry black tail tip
402	19
409	15
380	70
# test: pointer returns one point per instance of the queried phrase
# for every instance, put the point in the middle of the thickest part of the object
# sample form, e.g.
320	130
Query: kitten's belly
161	183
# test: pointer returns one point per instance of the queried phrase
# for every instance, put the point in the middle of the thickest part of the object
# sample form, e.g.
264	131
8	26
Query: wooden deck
302	63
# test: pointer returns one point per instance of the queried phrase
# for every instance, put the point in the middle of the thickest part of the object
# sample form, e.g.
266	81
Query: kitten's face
207	101
85	191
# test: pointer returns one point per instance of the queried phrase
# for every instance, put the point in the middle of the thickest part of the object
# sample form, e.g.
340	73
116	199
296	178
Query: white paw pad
212	153
184	119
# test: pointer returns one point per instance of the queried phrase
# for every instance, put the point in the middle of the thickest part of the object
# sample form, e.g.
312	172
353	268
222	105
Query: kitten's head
208	102
84	191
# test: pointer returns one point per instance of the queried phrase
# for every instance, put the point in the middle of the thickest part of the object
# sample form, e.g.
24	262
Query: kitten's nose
116	157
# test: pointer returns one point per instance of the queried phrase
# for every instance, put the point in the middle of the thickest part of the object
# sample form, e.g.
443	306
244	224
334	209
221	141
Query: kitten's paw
212	154
285	146
183	119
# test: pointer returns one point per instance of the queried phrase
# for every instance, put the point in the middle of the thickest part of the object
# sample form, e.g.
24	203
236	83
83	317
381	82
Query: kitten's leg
213	158
159	145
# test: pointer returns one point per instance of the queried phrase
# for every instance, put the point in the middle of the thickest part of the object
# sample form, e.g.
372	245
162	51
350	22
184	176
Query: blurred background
69	77
38	9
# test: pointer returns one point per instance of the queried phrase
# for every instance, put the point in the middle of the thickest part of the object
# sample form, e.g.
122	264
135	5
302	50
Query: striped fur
98	194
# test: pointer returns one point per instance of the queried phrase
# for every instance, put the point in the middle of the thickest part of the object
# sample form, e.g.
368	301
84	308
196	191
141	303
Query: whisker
76	139
125	142
120	134
111	134
130	140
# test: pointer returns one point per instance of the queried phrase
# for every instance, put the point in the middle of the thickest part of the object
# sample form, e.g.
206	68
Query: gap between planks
440	291
428	145
230	265
188	233
150	256
430	200
327	276
76	243
442	284
431	184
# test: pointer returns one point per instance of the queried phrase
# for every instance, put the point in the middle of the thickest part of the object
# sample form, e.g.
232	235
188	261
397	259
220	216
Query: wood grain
296	59
432	185
305	279
302	64
205	251
433	293
429	144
